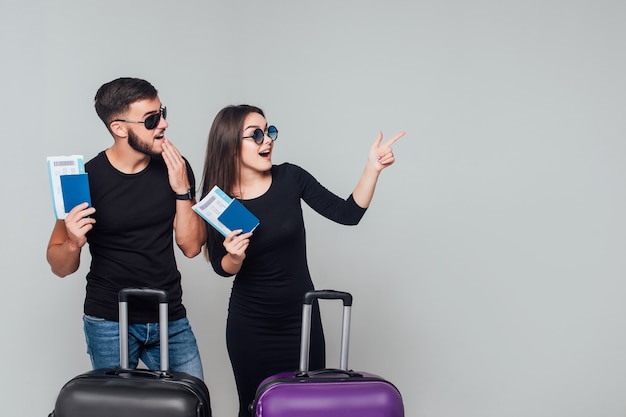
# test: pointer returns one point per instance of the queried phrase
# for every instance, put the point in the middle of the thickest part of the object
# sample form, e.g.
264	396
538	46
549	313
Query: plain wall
488	274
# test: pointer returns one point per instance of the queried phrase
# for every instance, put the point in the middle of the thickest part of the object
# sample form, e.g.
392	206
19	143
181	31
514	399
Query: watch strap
187	196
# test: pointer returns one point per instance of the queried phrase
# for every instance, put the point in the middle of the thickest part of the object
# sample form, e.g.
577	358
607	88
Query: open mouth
265	154
161	136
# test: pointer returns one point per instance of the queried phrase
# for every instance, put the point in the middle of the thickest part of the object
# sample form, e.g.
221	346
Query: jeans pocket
93	319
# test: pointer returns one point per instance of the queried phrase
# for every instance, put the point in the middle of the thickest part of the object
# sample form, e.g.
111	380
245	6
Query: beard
144	148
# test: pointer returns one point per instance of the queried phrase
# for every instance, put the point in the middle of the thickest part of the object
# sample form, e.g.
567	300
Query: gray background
488	274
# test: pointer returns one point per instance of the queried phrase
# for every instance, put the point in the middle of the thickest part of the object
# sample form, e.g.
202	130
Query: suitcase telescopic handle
305	340
123	296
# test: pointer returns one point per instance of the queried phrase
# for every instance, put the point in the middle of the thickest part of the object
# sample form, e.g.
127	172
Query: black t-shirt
131	244
275	274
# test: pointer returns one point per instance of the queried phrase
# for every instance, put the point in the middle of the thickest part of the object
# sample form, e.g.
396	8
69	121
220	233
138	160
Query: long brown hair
223	151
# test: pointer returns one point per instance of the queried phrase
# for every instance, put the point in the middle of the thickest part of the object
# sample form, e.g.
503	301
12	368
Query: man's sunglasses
259	135
151	122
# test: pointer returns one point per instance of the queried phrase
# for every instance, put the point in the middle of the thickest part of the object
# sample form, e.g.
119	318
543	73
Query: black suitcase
123	392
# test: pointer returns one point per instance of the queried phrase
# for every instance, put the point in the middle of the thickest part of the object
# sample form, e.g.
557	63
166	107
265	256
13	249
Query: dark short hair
115	97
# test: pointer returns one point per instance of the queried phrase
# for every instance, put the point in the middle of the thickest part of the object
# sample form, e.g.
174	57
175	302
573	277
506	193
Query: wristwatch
187	196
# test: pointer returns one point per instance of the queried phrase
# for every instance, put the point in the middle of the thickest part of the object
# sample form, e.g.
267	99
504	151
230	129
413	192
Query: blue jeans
103	345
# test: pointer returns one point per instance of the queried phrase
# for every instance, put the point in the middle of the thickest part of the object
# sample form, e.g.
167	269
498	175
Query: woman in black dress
270	264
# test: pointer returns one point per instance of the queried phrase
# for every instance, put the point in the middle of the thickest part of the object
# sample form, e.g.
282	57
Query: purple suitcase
326	392
123	392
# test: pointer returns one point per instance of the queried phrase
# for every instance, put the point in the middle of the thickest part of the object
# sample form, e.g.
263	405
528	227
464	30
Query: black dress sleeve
340	210
216	250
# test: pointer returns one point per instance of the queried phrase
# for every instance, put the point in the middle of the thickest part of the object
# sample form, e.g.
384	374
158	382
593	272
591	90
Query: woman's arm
380	157
235	244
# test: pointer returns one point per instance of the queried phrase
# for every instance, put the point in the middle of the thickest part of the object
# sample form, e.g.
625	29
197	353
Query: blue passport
75	189
236	216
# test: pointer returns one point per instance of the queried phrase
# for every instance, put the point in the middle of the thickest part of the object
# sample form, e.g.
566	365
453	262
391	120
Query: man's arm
189	228
67	239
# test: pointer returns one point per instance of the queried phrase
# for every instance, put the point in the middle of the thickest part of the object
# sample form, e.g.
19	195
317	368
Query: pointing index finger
393	139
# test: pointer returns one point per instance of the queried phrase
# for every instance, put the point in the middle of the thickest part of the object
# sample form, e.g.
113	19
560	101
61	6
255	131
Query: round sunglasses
259	135
150	122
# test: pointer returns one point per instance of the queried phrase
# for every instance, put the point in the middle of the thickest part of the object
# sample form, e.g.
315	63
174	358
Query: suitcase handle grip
332	371
126	293
139	372
310	296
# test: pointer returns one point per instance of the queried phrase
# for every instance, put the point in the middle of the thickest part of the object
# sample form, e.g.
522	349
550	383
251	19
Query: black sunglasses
151	122
258	135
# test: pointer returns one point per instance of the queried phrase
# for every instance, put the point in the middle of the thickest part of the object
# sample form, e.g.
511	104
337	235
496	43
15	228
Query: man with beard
142	191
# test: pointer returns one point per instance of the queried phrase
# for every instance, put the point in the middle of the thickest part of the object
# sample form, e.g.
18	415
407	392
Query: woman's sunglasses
258	135
151	122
